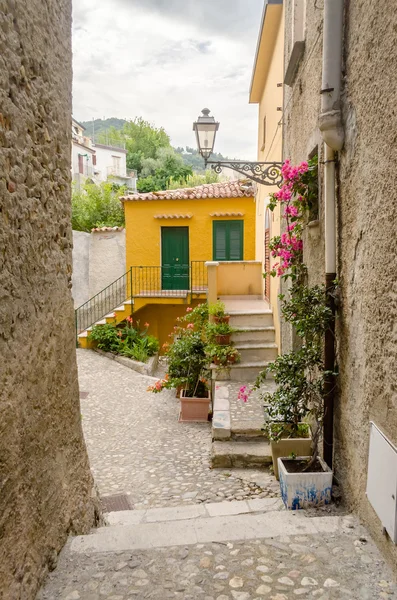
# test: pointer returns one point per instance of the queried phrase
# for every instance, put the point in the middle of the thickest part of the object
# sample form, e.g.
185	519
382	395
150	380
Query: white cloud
165	60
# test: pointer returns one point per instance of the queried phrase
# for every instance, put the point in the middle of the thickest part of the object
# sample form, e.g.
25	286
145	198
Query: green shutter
235	240
228	240
220	239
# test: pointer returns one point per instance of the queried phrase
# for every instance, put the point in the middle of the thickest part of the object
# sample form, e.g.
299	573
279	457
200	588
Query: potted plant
300	375
217	312
187	366
220	333
222	355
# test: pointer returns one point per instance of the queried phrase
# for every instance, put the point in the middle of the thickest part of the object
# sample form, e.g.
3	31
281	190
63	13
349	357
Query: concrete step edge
185	512
254	345
205	530
254	329
248	313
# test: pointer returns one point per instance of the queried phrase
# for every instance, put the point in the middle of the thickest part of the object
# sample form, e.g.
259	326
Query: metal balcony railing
173	281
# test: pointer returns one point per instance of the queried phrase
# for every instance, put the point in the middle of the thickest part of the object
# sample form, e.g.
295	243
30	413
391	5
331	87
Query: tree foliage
142	141
97	206
160	172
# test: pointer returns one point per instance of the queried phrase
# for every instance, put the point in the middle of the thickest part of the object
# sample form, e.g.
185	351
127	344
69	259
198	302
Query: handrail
176	281
104	302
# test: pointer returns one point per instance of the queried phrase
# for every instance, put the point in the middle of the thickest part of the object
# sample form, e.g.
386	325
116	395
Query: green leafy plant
126	338
223	356
186	355
106	337
217	309
300	375
215	329
97	206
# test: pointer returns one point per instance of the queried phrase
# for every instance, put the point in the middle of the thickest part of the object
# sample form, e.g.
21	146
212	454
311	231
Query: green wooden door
175	258
228	239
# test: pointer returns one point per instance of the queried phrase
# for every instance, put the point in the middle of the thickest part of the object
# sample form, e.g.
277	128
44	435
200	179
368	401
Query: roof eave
271	15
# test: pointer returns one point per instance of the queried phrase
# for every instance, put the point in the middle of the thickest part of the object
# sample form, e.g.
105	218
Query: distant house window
264	134
81	164
116	165
94	159
228	240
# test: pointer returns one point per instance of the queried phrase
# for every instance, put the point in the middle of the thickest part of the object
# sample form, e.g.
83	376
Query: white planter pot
302	490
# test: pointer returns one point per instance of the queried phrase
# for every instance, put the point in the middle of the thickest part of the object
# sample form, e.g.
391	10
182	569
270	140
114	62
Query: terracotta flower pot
223	340
224	319
194	409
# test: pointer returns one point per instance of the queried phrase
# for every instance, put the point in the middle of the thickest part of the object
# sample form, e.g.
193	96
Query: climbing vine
299	375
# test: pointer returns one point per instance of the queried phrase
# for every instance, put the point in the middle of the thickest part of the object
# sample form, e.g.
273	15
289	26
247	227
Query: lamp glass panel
205	133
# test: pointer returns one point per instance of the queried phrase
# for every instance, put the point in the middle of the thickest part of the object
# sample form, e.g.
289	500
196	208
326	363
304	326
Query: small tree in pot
187	365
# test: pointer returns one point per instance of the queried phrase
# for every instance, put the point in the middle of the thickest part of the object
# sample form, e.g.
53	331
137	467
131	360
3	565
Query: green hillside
190	156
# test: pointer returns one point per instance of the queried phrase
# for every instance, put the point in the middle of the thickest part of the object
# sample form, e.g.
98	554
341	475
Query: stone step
251	318
185	512
253	334
240	454
243	371
222	527
256	352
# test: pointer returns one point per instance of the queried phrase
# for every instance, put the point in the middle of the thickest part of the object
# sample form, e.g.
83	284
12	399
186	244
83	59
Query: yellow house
267	91
171	235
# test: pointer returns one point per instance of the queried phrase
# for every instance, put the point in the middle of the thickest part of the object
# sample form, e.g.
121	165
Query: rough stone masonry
45	481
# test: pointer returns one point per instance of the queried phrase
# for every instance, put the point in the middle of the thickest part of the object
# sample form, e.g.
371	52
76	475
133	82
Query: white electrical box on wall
382	480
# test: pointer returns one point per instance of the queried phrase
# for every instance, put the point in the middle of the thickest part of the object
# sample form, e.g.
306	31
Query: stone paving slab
219	528
137	447
181	513
248	415
338	565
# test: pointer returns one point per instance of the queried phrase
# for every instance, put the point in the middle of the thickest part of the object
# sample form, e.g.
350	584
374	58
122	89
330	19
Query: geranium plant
186	355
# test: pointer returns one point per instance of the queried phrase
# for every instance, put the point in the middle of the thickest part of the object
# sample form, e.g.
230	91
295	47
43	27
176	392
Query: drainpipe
330	124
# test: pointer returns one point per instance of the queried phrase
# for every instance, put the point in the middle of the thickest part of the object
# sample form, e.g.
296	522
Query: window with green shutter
228	240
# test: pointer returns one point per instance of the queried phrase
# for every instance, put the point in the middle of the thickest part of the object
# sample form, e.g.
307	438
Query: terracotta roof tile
227	214
227	189
102	229
187	216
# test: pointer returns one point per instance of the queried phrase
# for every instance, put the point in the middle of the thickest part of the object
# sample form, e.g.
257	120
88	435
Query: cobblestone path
333	567
136	445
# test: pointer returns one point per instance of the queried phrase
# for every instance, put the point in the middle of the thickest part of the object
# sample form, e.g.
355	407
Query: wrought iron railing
199	277
104	302
175	281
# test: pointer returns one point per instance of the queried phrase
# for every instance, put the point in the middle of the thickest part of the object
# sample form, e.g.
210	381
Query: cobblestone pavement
136	445
345	566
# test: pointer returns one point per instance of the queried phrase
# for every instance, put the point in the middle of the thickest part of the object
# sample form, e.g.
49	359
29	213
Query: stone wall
367	215
98	260
367	223
45	481
81	267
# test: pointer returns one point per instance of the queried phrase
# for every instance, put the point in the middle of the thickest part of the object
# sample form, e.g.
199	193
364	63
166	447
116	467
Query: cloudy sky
165	60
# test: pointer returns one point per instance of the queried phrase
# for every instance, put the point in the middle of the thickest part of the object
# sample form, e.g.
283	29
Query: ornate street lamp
205	128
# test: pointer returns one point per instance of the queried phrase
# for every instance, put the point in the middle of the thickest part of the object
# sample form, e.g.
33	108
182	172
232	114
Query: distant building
83	155
98	162
111	163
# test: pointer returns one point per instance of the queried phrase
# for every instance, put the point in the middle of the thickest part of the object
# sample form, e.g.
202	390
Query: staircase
116	316
238	439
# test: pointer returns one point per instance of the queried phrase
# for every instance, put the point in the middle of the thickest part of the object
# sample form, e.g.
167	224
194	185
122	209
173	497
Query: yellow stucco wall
270	145
162	319
239	278
143	231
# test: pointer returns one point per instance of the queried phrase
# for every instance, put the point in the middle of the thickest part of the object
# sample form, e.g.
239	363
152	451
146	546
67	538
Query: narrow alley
192	532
